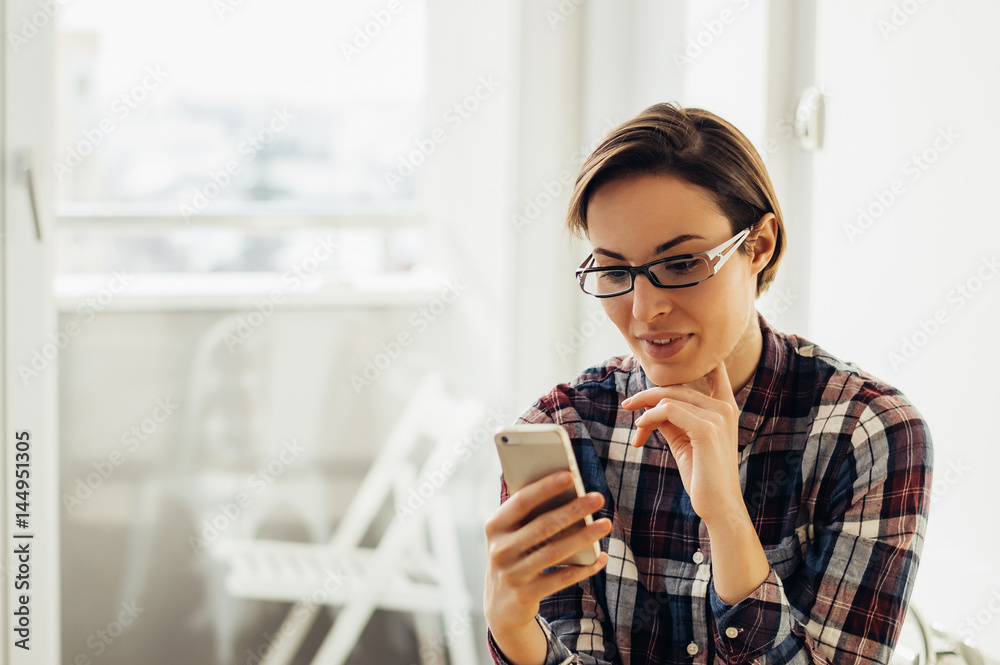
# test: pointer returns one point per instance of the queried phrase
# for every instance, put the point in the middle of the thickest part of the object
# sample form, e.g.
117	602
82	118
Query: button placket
699	601
699	609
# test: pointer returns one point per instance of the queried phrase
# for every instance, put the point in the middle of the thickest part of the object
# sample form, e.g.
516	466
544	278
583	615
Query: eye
614	276
682	267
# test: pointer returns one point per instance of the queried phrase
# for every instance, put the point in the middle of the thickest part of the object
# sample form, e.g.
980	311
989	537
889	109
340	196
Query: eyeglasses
673	272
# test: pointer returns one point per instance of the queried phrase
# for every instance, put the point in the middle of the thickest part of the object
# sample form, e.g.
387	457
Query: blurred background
262	224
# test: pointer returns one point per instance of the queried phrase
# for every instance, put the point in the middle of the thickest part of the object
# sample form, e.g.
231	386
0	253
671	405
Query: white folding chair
415	566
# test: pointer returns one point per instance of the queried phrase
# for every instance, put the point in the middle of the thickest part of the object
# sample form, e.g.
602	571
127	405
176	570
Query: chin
667	376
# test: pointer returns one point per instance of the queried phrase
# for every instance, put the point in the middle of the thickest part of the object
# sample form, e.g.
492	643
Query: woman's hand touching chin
699	421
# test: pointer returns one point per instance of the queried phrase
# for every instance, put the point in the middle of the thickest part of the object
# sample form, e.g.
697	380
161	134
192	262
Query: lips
654	346
661	336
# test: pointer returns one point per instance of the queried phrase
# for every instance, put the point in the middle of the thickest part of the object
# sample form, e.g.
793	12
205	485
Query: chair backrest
212	431
432	414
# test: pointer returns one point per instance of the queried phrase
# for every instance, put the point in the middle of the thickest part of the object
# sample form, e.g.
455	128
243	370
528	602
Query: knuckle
513	506
502	579
570	512
520	502
577	508
490	526
559	549
551	522
497	551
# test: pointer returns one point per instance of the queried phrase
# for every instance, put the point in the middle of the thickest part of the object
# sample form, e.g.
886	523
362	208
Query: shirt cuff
556	652
754	625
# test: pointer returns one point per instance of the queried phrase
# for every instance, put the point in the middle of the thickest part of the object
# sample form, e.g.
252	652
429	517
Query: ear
763	242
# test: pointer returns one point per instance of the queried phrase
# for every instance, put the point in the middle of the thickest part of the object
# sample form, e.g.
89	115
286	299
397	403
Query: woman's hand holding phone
516	559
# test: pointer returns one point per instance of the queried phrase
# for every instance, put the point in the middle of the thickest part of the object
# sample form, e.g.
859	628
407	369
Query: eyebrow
659	250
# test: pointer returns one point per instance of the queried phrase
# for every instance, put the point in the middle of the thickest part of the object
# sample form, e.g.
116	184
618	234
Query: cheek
618	310
716	309
725	309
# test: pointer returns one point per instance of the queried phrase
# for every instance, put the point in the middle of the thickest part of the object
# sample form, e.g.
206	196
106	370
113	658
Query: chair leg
346	631
429	638
455	613
294	630
140	546
365	593
462	642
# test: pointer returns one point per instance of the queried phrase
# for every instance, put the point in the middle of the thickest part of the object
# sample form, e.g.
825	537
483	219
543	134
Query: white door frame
28	325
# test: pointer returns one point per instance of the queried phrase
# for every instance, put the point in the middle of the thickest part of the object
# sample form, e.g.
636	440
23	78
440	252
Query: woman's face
639	219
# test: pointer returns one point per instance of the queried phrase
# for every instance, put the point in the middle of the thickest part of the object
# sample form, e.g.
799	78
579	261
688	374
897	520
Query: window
191	139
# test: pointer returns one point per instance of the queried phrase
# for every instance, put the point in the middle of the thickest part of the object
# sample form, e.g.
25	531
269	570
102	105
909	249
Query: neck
743	361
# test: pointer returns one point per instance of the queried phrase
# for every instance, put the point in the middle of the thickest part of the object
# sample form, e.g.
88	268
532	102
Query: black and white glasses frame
673	272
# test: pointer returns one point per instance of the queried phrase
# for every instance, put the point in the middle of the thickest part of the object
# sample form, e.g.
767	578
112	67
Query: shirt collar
757	398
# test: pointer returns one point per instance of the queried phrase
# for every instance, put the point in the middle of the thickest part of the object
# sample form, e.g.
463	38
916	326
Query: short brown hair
698	147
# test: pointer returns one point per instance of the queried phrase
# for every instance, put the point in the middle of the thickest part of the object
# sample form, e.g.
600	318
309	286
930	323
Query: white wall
892	96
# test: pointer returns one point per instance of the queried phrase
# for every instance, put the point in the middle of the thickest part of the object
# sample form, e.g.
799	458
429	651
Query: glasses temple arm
724	255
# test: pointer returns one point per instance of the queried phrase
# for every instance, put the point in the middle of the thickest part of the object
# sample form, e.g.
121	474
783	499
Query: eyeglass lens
682	272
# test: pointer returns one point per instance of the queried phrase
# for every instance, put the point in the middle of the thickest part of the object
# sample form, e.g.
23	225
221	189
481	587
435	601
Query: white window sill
214	291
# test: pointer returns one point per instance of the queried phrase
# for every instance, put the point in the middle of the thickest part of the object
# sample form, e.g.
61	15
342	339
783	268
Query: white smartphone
531	452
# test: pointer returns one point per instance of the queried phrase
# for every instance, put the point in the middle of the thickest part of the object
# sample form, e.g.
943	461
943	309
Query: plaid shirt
835	467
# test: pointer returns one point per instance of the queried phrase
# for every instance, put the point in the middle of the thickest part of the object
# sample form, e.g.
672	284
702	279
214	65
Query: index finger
519	505
722	388
642	435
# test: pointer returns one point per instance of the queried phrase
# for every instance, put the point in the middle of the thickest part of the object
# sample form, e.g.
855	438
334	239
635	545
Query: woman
755	498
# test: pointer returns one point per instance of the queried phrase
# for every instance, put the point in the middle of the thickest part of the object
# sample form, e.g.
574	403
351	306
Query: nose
649	301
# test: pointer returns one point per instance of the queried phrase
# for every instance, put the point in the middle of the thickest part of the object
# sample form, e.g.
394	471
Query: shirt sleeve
862	561
575	626
555	652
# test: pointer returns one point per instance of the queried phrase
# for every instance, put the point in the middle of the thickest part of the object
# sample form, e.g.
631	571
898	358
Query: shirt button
698	557
732	632
692	649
